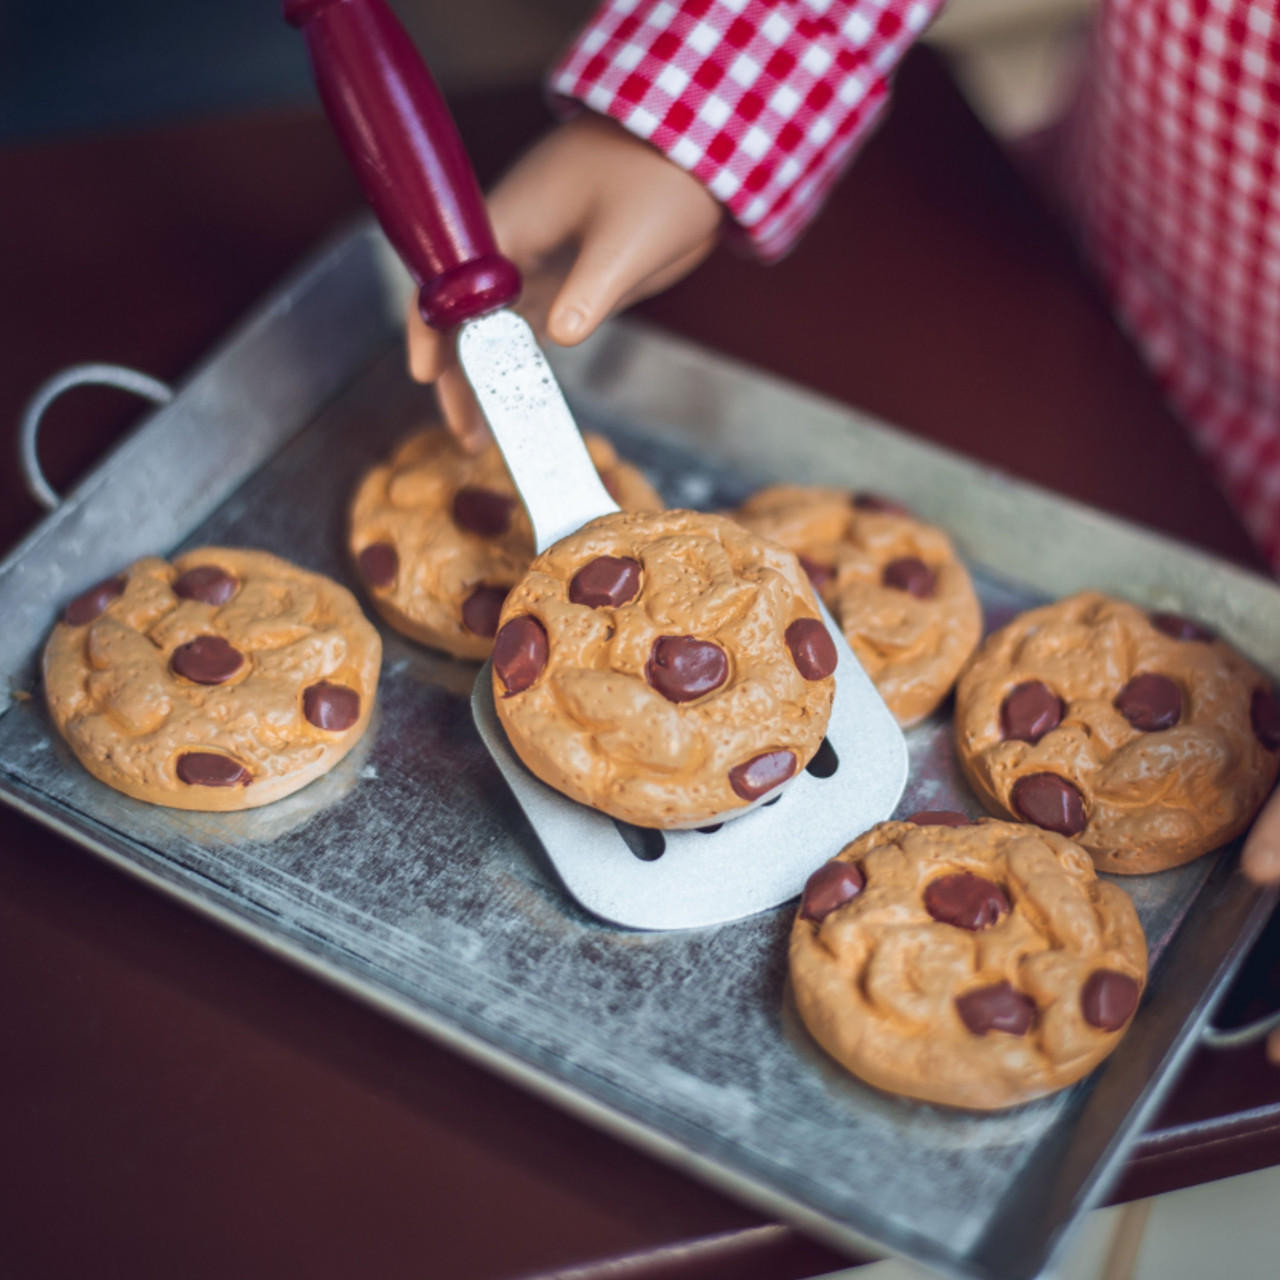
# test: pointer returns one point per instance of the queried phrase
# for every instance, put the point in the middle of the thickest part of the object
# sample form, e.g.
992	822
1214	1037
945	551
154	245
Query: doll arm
749	106
763	101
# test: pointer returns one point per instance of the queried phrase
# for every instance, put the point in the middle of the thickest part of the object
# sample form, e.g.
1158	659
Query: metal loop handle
80	375
1238	1037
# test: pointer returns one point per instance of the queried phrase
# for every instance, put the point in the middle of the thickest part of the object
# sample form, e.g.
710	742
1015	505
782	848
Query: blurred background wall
71	66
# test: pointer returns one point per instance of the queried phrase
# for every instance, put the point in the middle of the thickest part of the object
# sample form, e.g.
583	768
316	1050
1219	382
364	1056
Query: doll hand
595	219
1261	862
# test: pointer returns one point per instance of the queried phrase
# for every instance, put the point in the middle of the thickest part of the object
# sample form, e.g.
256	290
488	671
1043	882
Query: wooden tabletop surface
181	1103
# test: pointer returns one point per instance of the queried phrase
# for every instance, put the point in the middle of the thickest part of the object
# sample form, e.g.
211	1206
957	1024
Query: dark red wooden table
179	1103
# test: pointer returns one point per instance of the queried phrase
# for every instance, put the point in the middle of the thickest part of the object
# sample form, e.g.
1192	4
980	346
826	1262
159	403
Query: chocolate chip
878	502
762	773
1029	711
482	511
819	574
940	818
1050	802
682	668
910	574
1264	715
379	564
481	609
966	901
207	769
1181	628
996	1008
812	649
831	886
87	606
1150	703
520	653
206	660
206	582
331	706
1108	999
611	580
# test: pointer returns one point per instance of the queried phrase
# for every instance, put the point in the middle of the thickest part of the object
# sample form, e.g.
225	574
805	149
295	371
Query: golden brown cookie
440	537
665	668
904	601
1141	736
224	679
978	965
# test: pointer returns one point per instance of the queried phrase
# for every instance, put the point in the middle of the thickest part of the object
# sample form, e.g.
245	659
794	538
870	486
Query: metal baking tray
409	877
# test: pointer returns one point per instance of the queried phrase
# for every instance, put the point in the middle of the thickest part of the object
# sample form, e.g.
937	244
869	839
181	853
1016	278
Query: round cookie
976	966
224	679
904	601
667	668
1140	736
439	536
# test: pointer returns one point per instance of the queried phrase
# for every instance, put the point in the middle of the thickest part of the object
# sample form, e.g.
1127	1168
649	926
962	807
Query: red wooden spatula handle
403	145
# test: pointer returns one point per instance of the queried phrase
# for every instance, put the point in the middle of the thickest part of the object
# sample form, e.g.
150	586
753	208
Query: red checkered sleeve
762	100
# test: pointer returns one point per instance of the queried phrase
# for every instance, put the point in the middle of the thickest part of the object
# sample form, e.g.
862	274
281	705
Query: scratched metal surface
409	876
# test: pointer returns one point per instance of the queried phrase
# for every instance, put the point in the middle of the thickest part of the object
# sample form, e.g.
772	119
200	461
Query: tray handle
80	375
1217	1039
402	144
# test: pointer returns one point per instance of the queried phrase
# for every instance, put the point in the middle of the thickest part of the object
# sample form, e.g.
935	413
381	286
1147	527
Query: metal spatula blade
401	142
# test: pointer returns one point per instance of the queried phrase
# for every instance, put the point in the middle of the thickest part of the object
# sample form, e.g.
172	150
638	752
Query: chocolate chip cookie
975	965
439	536
905	602
1139	735
223	679
667	668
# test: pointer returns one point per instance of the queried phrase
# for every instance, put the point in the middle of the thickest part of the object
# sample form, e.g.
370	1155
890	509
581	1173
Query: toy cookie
904	601
440	537
666	668
1140	736
224	679
978	965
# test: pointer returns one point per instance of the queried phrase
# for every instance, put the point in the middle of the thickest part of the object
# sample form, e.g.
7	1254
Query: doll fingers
429	351
461	411
1261	858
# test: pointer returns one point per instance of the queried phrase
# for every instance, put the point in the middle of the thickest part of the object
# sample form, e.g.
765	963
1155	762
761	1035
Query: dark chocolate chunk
1264	715
520	653
940	818
762	773
1108	999
878	502
812	649
910	574
483	511
831	886
206	582
819	574
611	580
1150	703
996	1008
1050	802
482	608
331	706
208	769
682	668
1029	711
1181	628
206	660
379	564
89	604
966	901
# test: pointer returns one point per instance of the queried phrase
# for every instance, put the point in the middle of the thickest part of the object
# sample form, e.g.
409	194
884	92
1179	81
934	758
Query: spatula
398	136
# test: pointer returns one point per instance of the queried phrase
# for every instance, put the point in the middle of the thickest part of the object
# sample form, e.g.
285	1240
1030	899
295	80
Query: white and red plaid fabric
1171	167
